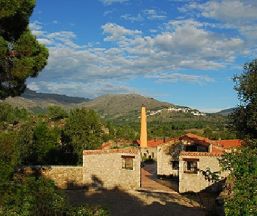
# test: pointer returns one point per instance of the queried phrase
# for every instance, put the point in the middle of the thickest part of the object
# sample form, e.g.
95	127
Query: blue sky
180	51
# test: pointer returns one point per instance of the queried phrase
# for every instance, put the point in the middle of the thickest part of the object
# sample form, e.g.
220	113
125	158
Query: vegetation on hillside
26	139
38	140
242	164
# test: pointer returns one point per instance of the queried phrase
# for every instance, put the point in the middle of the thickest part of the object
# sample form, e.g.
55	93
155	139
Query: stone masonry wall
164	161
191	182
149	152
63	176
104	170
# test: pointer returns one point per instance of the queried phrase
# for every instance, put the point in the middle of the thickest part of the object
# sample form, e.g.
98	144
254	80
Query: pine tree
21	55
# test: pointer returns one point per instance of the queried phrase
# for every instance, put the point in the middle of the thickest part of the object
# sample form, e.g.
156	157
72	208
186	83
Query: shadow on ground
134	203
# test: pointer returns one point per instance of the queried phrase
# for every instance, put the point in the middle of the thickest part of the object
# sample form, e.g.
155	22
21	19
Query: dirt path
134	203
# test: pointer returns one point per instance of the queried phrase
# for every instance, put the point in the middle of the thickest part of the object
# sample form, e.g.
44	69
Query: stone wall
149	153
103	169
64	176
164	159
195	182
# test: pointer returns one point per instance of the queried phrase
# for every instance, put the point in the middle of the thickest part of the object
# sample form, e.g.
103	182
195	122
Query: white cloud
88	90
36	28
153	14
128	17
109	2
230	10
150	14
117	33
84	68
237	15
175	77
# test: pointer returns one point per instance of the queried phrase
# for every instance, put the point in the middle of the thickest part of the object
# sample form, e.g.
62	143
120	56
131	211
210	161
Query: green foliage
56	113
210	176
243	120
242	163
83	130
243	167
31	196
11	114
126	132
14	17
37	143
21	56
45	139
36	196
9	155
88	211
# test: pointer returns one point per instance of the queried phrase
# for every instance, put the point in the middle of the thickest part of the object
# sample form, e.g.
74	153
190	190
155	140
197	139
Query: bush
56	113
31	196
9	156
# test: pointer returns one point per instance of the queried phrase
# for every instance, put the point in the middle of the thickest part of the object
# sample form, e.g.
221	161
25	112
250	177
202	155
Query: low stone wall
65	177
101	169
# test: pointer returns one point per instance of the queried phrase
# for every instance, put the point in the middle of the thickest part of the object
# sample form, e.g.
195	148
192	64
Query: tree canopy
242	164
83	130
21	55
244	119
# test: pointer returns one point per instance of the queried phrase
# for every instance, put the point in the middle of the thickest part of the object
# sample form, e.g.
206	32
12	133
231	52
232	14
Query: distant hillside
38	102
56	98
226	112
120	105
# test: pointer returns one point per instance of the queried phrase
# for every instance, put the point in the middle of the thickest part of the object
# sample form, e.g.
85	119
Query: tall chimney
143	134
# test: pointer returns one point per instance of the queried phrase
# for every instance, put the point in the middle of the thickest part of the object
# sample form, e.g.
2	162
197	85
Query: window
127	162
196	148
191	166
175	165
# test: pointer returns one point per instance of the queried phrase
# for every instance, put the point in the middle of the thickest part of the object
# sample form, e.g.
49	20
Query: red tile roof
183	153
156	142
229	143
197	138
108	151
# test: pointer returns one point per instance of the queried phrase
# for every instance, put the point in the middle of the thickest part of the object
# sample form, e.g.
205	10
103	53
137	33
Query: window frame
193	169
127	162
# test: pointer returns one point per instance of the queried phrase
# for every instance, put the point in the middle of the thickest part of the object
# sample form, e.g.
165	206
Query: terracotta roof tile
198	138
183	153
229	143
157	142
217	149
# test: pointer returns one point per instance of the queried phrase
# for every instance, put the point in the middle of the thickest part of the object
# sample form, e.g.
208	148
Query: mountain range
111	106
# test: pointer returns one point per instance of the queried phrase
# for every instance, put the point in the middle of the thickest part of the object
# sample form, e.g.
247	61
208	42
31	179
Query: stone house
112	168
191	158
101	169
